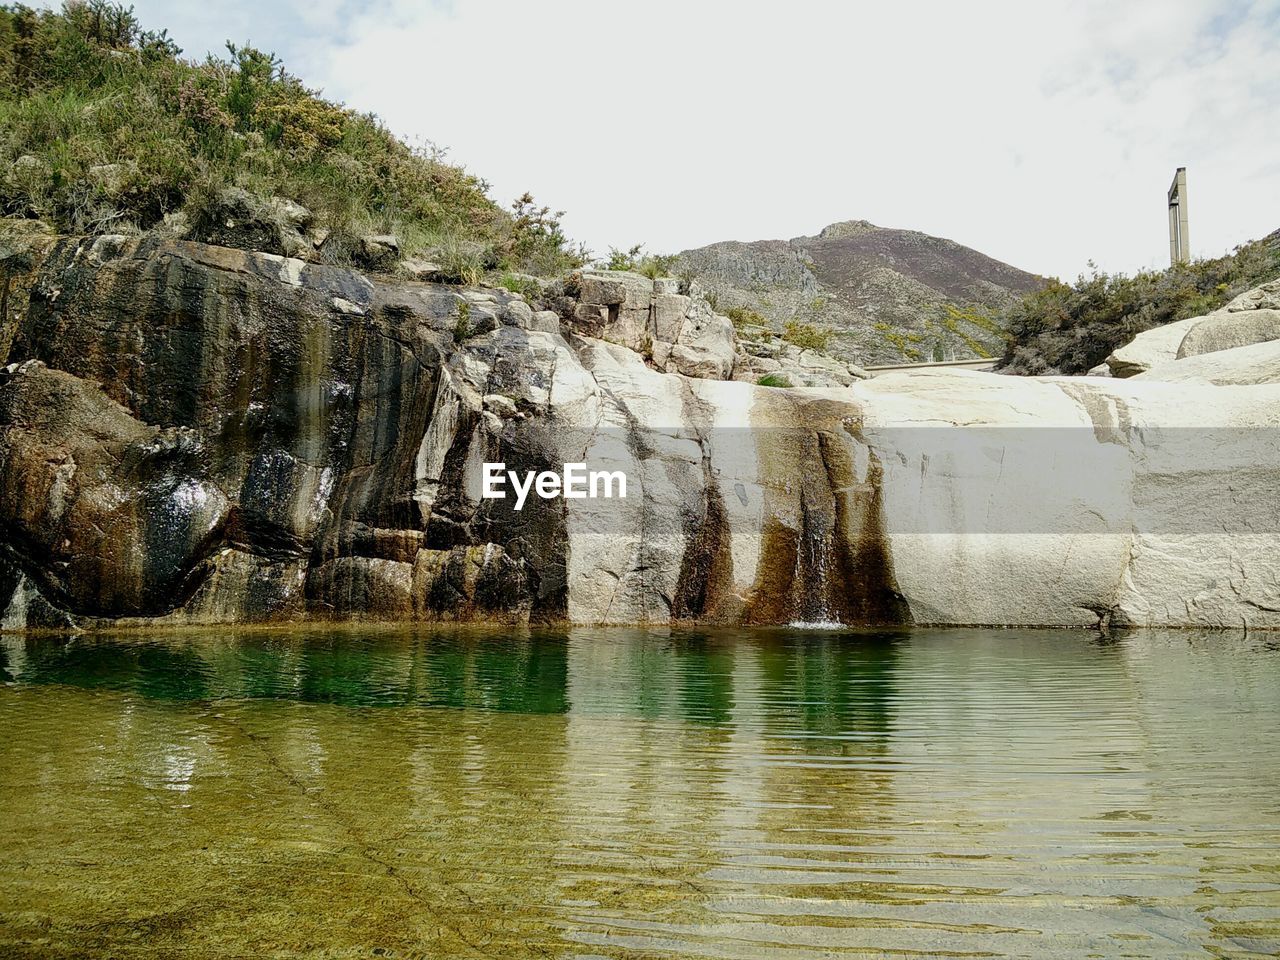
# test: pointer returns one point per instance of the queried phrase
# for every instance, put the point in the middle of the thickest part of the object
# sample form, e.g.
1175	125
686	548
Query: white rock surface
1144	351
1255	363
1000	504
1001	500
545	321
1227	329
1264	297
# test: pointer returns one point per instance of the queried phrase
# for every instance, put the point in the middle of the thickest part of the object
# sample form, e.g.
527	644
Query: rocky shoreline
193	434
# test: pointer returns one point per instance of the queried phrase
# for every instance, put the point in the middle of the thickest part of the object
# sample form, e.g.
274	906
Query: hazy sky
1043	133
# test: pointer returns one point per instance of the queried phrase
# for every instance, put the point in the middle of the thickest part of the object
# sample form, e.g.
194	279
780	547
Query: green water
634	794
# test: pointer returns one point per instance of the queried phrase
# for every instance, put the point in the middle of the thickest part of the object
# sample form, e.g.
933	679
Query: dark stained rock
111	516
203	433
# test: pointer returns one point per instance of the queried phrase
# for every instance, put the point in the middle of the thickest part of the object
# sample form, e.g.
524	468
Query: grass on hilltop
104	128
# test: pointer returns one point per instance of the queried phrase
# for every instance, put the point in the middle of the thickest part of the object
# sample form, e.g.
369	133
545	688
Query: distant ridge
883	292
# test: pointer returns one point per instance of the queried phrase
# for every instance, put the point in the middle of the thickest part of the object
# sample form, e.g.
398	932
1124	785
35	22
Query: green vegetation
906	342
462	326
744	319
773	380
1068	328
523	284
806	336
651	265
104	128
962	322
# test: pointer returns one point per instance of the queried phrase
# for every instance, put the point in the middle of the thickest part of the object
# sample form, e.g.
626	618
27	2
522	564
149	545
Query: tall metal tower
1179	231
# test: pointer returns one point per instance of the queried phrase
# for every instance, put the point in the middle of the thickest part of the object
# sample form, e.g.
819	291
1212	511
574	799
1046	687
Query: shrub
651	265
656	265
462	262
87	87
1068	328
462	326
773	380
806	336
623	259
744	318
527	286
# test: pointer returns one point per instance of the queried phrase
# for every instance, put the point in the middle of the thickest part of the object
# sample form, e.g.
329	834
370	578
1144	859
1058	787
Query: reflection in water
639	793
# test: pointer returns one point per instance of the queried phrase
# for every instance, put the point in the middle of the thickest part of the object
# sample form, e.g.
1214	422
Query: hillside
884	294
1071	328
105	128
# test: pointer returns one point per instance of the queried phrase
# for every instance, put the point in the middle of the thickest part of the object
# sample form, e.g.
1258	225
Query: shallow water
629	794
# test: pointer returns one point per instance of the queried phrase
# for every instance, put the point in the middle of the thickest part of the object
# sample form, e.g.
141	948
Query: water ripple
634	794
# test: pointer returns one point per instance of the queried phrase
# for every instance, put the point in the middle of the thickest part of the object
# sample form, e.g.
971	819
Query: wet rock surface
199	434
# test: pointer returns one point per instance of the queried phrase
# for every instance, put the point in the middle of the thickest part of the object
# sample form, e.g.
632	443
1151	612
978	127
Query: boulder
29	166
1144	351
243	220
545	321
706	345
379	251
1264	297
503	407
112	178
608	289
1226	329
669	312
749	369
831	368
292	215
1252	317
625	302
592	318
772	348
1254	363
517	313
422	269
693	362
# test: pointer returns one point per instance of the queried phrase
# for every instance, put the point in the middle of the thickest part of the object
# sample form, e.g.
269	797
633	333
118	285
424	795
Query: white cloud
1042	133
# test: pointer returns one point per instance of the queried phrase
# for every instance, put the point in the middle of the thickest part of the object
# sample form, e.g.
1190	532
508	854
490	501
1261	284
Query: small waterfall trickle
814	569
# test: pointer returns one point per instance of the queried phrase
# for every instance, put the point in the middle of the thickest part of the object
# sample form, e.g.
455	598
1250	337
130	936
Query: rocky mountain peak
847	228
884	294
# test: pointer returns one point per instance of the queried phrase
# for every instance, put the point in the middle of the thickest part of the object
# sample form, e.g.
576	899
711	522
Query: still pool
618	793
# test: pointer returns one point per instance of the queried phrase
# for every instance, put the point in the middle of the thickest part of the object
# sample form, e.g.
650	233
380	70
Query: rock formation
196	434
1251	318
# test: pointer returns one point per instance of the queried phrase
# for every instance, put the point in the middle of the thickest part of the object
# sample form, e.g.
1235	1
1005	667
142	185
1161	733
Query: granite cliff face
194	434
883	292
